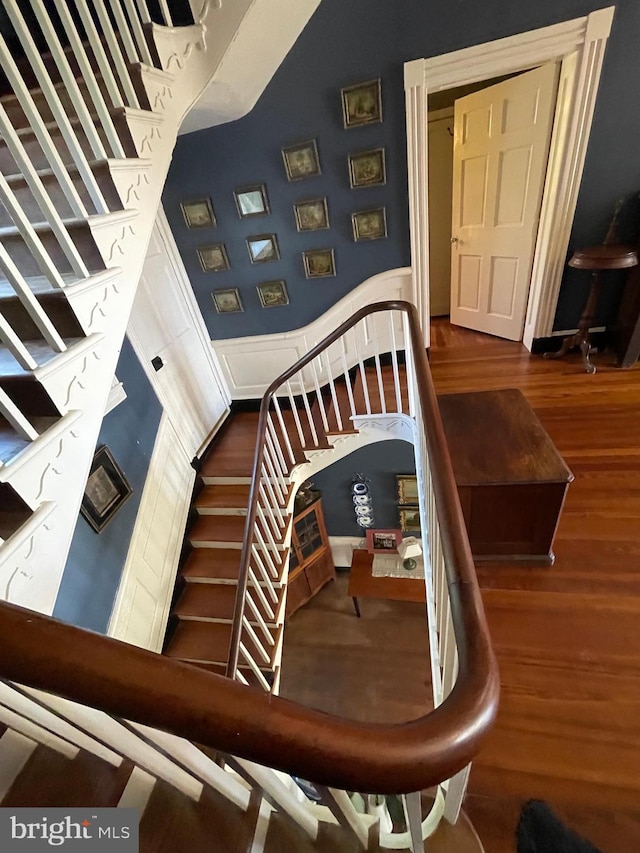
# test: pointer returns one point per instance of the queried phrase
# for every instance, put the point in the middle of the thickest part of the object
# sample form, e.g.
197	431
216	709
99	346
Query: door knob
454	239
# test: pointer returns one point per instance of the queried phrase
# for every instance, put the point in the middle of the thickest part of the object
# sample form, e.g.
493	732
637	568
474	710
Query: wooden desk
362	584
511	479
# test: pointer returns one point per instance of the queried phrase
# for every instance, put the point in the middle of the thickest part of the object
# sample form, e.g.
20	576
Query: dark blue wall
96	560
380	462
349	42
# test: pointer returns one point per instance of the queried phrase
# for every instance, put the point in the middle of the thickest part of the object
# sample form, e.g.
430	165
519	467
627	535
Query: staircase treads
217	528
12	521
38	349
212	564
55	305
231	454
374	391
214	601
208	642
48	779
224	496
11	443
248	674
172	821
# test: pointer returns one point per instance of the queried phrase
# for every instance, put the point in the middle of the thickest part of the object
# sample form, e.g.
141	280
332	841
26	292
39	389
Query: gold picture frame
263	248
369	224
213	258
311	214
252	201
410	519
198	213
273	293
319	263
407	485
301	160
361	103
227	300
367	168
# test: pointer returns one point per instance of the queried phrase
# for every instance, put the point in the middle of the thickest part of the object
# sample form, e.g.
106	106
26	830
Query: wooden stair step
217	528
231	454
172	821
283	834
214	602
54	303
224	497
11	443
217	565
208	642
48	779
247	672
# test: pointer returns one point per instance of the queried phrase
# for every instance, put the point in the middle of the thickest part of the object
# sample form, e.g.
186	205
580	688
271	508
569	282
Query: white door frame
579	46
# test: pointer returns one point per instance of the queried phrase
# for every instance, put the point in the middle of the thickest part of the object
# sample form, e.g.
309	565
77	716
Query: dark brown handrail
221	713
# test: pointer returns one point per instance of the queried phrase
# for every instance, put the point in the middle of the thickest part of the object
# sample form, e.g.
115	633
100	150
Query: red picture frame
383	541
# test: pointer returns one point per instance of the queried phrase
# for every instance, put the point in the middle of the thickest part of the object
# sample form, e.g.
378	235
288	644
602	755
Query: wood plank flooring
567	636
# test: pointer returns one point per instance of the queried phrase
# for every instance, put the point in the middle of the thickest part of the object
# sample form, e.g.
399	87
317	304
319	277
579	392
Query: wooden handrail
138	685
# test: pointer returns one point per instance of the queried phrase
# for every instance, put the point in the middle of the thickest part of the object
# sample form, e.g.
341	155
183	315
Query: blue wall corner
346	43
95	562
380	462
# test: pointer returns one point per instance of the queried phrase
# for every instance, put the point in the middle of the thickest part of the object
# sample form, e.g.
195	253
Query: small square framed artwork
369	224
312	214
263	248
410	519
383	541
198	213
251	201
106	491
301	160
361	104
227	301
273	294
367	168
213	258
319	263
407	489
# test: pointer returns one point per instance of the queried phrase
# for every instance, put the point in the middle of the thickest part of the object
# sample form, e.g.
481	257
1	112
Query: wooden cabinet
310	562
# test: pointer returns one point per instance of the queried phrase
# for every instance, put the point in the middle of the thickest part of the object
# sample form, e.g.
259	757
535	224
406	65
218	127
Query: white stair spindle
89	77
30	174
115	52
138	33
284	431
275	470
413	816
18	421
40	131
254	668
143	11
347	378
394	363
166	14
17	723
15	346
122	28
31	304
259	592
294	412
266	503
319	398
266	528
99	52
266	553
68	78
264	574
271	428
411	378
251	605
307	408
332	388
55	105
376	356
272	476
363	372
274	502
341	807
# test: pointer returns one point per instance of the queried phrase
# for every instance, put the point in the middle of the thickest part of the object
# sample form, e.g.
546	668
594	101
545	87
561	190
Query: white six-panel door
501	146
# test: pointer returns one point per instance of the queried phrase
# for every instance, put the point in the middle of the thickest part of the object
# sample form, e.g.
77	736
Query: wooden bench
511	479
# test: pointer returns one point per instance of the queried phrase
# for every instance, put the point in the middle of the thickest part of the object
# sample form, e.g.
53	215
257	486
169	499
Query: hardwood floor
567	637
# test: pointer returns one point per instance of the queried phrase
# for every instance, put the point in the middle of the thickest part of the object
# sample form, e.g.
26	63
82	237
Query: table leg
356	606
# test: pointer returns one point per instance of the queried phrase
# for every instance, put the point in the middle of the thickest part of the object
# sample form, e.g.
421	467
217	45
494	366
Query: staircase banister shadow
225	715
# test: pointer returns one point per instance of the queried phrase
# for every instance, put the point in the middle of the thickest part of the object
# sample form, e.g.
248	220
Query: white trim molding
579	46
250	364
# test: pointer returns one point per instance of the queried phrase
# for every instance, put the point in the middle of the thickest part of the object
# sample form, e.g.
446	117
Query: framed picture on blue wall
319	263
367	168
312	214
369	224
263	248
198	213
301	160
361	104
251	201
213	258
106	491
272	294
227	301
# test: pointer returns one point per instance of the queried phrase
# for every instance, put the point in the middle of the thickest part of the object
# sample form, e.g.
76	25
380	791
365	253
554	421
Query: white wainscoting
142	605
250	364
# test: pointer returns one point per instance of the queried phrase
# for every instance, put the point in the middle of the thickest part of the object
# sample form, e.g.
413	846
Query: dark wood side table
597	259
511	479
362	583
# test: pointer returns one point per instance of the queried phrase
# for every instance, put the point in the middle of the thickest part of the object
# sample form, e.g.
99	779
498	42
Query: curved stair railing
254	730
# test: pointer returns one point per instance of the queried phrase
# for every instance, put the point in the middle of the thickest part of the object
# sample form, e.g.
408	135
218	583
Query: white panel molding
250	364
579	45
141	608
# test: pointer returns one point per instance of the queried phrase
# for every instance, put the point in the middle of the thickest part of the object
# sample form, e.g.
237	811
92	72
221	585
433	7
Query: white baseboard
142	604
342	548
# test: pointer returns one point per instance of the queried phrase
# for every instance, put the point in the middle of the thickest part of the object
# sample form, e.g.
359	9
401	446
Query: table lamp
409	549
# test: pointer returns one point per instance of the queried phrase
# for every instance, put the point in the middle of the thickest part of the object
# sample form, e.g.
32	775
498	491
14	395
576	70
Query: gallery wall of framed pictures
299	198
